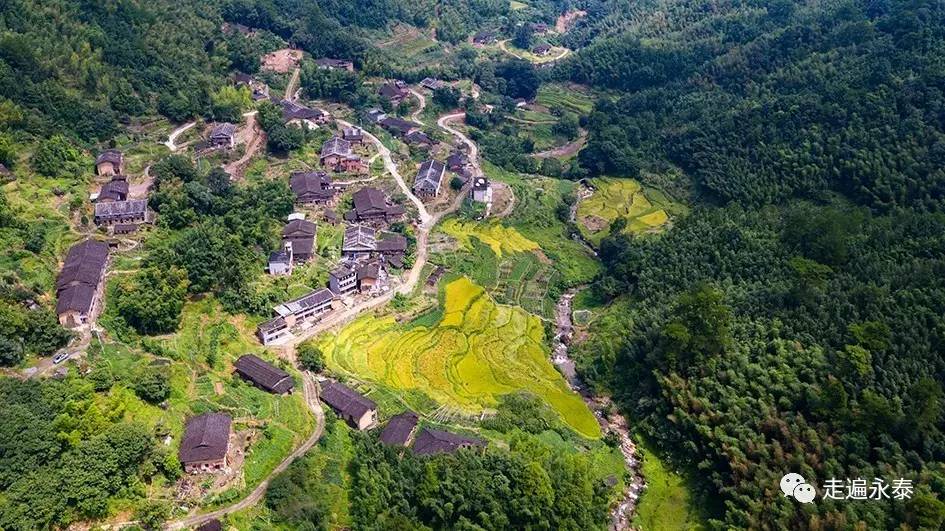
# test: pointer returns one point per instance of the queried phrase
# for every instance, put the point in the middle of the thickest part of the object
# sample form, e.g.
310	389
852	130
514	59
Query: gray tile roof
114	209
345	400
206	438
336	146
429	176
359	238
398	429
431	441
266	375
315	298
110	155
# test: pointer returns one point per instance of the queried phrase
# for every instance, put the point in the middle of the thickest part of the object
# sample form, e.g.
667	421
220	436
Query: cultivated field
645	210
499	238
477	352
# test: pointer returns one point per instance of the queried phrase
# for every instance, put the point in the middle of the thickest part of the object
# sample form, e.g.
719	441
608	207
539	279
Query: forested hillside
764	101
797	324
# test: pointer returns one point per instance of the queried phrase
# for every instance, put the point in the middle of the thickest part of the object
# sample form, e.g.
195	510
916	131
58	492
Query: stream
614	423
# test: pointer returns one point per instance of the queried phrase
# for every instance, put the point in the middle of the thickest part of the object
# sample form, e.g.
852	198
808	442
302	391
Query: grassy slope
666	503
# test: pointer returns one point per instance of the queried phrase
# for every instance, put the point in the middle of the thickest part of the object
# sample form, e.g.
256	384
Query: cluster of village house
367	250
206	448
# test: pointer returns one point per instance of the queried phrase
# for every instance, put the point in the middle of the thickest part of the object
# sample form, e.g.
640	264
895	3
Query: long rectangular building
79	282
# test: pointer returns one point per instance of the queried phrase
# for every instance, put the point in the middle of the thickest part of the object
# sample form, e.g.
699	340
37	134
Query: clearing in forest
478	351
644	209
498	237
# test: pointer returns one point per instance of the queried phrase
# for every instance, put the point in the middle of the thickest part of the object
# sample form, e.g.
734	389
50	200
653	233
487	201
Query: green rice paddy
477	352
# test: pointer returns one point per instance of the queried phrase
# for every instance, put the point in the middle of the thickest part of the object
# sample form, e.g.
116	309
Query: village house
429	179
419	139
298	115
130	211
211	525
375	116
358	242
399	429
264	375
456	161
482	191
258	89
205	443
432	83
334	64
110	162
484	37
542	49
114	190
392	247
540	28
312	187
343	279
371	205
330	216
272	330
354	135
430	441
398	126
282	261
359	412
436	275
78	286
298	237
124	228
394	92
5	172
305	308
352	276
223	135
336	154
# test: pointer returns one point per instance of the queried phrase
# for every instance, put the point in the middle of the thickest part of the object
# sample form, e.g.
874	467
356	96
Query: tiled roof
359	237
336	146
265	375
315	298
429	175
431	441
206	438
110	155
76	298
272	324
225	129
116	190
299	227
345	400
392	243
398	429
132	207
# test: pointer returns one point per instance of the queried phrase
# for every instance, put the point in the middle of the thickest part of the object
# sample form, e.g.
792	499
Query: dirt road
172	139
568	150
473	147
564	53
290	89
310	391
256	138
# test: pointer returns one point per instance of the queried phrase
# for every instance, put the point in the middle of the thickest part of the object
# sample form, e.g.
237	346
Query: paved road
392	168
172	139
290	92
310	390
473	147
423	105
338	318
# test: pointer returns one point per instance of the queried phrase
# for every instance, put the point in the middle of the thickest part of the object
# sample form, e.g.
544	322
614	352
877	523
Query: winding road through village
310	388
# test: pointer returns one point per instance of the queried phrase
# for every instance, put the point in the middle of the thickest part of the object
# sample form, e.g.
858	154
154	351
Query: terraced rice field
499	238
478	352
644	210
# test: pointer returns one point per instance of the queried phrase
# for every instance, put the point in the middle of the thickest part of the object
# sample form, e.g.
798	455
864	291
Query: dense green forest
799	327
764	101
